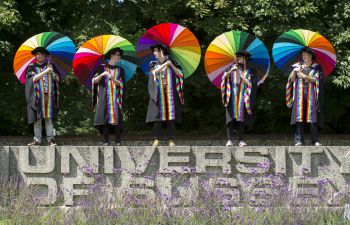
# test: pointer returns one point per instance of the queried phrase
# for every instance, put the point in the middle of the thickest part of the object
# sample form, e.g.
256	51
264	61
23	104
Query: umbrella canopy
286	50
91	54
183	46
221	54
60	47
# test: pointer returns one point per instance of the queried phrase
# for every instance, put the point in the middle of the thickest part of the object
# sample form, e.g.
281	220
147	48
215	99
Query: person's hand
105	73
301	75
50	66
48	70
296	70
168	62
234	67
226	74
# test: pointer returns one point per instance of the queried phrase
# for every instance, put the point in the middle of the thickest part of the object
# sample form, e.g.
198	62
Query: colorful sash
241	94
166	99
47	110
304	108
114	95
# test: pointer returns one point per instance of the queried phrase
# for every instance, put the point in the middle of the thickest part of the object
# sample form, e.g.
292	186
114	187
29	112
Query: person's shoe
242	143
52	143
229	143
105	143
318	144
118	143
155	143
34	143
171	143
298	143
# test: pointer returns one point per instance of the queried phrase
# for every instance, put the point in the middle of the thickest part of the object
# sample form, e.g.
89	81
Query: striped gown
235	94
166	100
46	108
303	96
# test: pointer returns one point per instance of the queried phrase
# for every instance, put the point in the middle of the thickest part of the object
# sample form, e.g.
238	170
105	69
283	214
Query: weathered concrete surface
4	163
240	173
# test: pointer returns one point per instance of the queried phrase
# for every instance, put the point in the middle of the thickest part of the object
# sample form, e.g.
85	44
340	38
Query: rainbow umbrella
286	50
61	50
221	53
90	55
182	44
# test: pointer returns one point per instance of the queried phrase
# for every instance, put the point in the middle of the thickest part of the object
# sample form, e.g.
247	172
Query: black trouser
117	131
241	130
157	128
299	132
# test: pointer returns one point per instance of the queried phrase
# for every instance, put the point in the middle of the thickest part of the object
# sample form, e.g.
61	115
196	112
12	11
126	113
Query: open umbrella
180	41
60	47
91	53
286	50
221	53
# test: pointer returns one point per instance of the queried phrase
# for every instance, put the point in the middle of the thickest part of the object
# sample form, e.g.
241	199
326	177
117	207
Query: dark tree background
203	111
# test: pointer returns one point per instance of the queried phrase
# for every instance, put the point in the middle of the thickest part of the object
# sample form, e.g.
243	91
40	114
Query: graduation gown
34	92
238	97
305	98
104	106
155	111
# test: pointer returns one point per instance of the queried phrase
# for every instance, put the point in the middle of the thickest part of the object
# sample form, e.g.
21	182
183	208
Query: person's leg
241	131
171	129
37	130
229	133
105	131
171	132
299	133
49	130
117	134
314	133
157	131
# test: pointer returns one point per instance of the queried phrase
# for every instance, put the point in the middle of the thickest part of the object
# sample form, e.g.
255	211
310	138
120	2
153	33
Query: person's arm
54	72
175	68
227	73
245	80
118	82
293	74
40	75
98	78
306	77
159	68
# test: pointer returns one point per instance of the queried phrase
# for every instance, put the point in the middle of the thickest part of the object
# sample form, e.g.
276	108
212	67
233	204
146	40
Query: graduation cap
41	50
160	47
113	51
308	50
243	53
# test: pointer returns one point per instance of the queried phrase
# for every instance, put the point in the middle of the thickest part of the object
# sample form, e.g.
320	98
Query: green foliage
203	111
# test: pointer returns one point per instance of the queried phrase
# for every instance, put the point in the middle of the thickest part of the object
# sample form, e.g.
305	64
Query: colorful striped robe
37	107
236	96
108	97
165	101
303	97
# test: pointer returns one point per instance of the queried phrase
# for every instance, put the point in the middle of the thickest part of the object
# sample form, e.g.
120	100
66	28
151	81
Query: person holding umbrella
108	92
238	88
165	88
41	88
312	58
304	94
